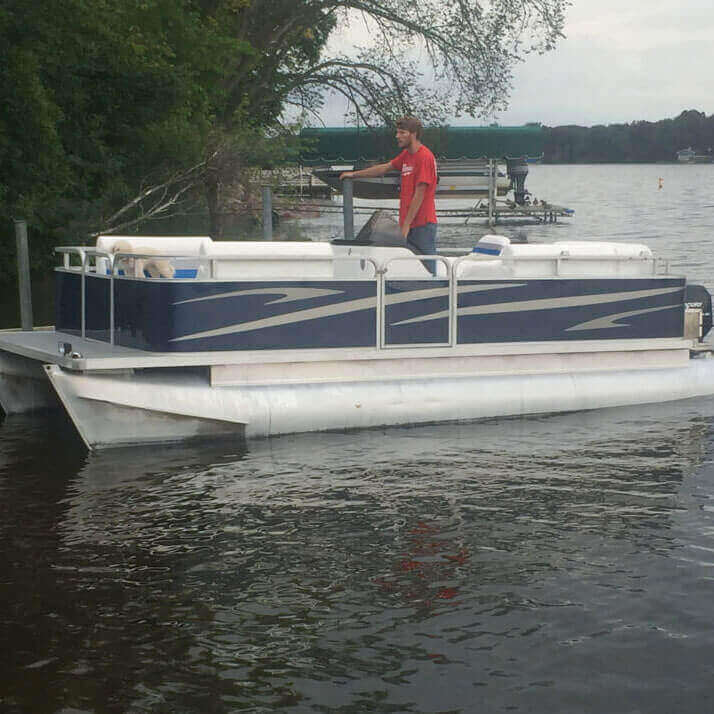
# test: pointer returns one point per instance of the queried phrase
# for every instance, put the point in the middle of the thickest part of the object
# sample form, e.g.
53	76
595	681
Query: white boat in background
250	339
690	156
457	179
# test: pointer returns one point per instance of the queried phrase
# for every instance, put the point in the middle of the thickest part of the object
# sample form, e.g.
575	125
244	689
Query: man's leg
422	240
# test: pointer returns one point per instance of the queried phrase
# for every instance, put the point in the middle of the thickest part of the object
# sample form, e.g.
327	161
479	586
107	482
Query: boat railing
658	265
115	260
84	255
452	276
564	256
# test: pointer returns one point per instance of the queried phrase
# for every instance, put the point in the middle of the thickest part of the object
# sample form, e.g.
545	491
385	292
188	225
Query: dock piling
23	275
267	213
348	209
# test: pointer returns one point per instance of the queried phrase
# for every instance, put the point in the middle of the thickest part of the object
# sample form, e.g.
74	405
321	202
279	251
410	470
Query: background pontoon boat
457	179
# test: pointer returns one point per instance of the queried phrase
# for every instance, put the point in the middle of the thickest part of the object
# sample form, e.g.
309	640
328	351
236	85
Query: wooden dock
539	211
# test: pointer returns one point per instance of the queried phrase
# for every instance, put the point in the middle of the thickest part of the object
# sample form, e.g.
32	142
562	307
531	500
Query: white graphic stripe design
396	298
542	304
289	294
299	293
608	321
291	317
315	313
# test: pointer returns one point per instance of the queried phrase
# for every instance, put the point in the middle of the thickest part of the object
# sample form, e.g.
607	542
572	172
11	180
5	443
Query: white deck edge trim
18	343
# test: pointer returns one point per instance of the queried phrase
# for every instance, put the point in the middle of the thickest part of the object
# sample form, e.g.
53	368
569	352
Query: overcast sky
621	61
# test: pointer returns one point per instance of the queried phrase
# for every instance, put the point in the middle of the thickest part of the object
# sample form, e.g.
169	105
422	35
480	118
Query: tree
471	48
99	98
104	101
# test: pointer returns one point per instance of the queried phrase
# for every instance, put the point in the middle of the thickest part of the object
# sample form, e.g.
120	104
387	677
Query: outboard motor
697	312
517	171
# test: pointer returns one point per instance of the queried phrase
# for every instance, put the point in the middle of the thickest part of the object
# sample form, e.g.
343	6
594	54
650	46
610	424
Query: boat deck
41	345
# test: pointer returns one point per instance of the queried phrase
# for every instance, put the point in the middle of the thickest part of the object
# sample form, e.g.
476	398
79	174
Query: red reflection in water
429	562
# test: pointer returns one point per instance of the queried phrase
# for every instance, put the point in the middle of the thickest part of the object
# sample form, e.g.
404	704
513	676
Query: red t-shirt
417	168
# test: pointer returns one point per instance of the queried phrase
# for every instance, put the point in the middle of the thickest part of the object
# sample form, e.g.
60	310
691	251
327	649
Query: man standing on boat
417	212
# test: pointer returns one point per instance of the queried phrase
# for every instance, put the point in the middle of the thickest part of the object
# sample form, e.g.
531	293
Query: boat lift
491	208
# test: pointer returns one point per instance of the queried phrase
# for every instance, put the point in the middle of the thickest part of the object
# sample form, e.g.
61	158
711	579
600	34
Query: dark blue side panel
68	302
581	309
141	314
428	298
191	317
97	307
178	316
68	305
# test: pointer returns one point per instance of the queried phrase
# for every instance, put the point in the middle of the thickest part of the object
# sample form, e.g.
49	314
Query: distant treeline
638	141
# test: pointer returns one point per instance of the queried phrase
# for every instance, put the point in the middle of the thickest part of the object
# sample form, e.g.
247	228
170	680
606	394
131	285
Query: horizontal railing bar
208	258
325	258
562	256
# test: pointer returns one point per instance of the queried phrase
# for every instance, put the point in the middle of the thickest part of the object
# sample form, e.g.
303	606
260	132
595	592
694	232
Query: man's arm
369	172
416	202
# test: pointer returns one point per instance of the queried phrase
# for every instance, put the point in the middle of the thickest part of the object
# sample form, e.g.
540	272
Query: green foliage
99	97
470	48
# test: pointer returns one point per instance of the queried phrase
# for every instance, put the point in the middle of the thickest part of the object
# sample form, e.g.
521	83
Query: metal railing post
453	303
348	209
491	191
84	294
378	308
111	304
382	304
267	213
23	275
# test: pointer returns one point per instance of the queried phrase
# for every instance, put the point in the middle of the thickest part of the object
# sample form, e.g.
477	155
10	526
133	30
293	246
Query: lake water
550	564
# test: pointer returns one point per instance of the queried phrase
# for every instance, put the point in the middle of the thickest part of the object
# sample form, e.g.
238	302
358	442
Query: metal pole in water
348	209
267	213
23	275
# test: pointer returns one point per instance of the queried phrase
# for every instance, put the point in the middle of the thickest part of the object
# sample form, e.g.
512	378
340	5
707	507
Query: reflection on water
521	563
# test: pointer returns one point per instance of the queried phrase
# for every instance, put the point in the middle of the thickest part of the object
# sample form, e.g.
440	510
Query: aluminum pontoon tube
111	410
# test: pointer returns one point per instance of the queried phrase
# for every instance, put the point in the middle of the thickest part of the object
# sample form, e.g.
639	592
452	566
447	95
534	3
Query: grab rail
212	260
68	251
565	257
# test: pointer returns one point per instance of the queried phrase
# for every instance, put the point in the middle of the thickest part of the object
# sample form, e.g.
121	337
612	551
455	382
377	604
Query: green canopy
336	145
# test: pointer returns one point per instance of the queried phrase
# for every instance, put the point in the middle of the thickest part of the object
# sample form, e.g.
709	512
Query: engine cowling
697	304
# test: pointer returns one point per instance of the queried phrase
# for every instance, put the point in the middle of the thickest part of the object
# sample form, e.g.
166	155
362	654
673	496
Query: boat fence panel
458	306
416	312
